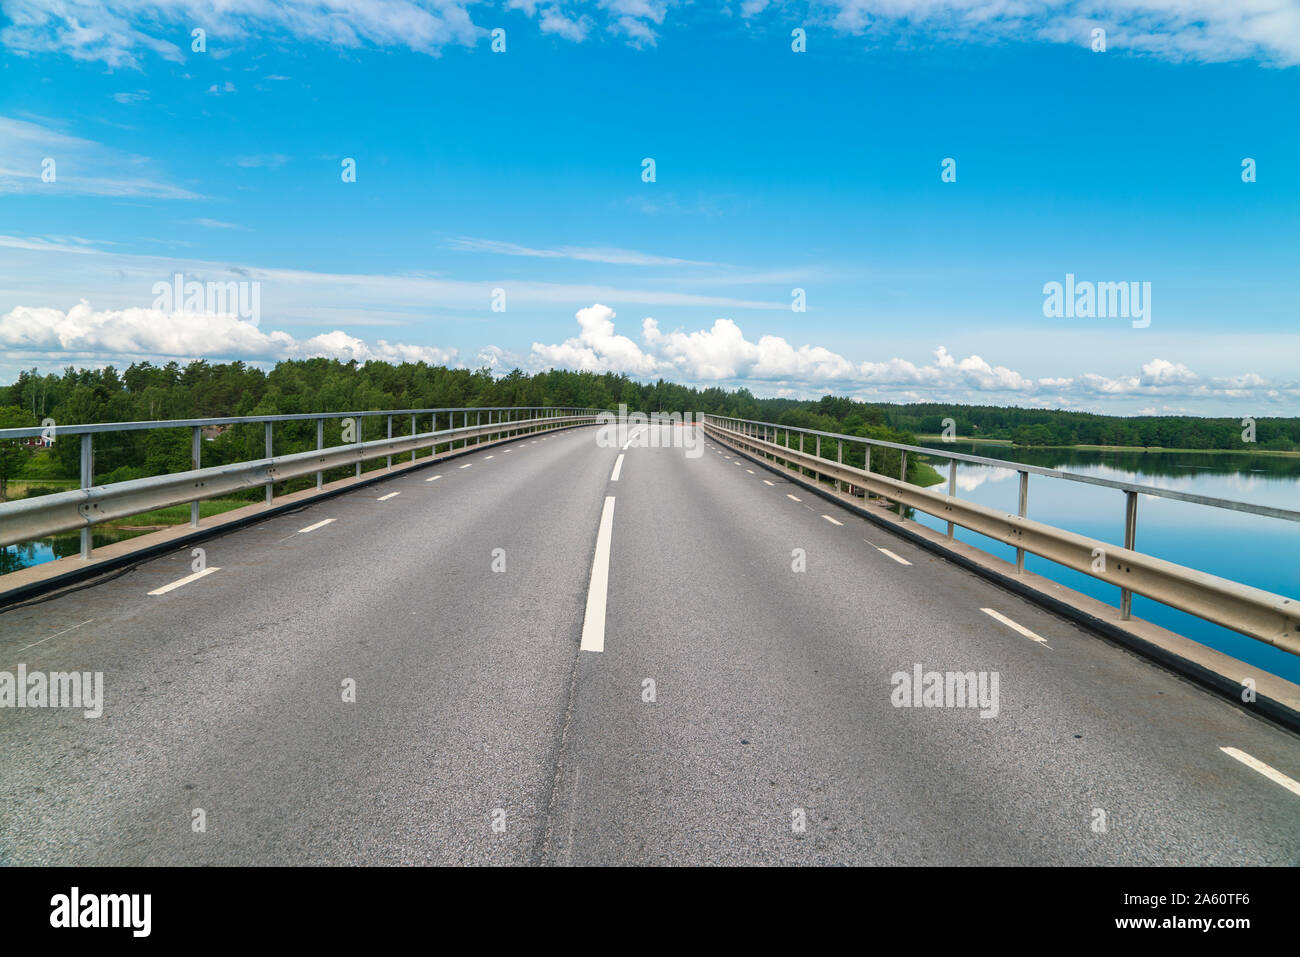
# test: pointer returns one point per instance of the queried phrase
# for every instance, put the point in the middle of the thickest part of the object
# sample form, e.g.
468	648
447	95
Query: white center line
1015	627
1273	774
750	471
486	457
618	467
63	632
385	498
467	465
433	478
593	623
897	558
312	528
184	581
793	498
831	520
766	482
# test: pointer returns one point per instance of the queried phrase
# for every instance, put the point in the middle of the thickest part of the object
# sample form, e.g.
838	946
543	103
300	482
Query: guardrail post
465	442
902	476
952	486
196	452
320	444
818	475
839	458
270	486
358	421
1130	540
801	469
1024	503
478	422
413	436
390	435
87	480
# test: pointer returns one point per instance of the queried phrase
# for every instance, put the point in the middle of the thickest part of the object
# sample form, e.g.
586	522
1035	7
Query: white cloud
723	355
120	32
27	145
137	333
1198	30
595	254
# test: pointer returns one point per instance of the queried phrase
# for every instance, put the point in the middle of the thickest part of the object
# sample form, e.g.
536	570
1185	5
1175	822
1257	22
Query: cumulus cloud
721	354
137	333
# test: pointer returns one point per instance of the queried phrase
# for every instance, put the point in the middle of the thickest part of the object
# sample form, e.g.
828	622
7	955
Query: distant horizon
498	375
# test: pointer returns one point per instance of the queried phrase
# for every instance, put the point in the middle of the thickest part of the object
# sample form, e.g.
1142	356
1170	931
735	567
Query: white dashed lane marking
433	478
897	558
385	498
1021	629
793	498
184	581
1273	774
832	521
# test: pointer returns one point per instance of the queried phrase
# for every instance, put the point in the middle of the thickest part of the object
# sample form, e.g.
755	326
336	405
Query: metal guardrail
1264	616
32	518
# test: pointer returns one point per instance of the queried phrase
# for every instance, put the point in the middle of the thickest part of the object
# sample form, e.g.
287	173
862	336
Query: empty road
741	708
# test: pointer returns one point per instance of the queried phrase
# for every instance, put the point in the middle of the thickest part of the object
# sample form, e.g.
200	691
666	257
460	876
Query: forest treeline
201	390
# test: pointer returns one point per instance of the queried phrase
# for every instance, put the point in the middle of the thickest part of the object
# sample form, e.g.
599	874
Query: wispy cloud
216	224
120	32
593	254
267	160
31	149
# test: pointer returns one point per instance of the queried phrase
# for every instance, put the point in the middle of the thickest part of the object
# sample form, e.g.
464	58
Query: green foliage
204	390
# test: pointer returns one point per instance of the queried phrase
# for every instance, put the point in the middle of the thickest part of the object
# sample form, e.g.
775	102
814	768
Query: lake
1251	549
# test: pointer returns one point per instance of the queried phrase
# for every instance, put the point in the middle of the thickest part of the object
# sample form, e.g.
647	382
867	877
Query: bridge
531	636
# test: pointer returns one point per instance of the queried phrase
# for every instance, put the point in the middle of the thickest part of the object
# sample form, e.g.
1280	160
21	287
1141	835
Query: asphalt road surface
741	710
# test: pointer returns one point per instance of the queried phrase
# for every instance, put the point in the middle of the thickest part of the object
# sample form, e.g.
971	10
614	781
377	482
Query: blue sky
774	170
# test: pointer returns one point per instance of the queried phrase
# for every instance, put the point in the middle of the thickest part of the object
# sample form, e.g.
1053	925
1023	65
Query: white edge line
593	622
184	581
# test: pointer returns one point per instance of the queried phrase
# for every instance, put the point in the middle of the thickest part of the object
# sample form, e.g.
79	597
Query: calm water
1251	549
14	557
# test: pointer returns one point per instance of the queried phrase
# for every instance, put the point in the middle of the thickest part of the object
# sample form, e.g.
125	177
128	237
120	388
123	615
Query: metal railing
1273	619
29	519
